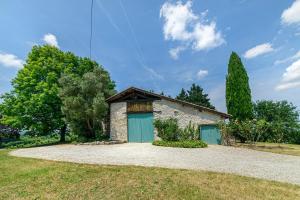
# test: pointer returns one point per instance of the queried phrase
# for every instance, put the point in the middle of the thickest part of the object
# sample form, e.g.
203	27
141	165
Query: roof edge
116	96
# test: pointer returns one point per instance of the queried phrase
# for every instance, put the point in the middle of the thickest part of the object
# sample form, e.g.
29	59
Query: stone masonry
118	121
163	109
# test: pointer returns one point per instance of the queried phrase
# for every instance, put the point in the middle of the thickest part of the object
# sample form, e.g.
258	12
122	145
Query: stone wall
164	109
118	121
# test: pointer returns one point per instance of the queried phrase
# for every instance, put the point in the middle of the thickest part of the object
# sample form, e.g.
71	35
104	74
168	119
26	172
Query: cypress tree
238	93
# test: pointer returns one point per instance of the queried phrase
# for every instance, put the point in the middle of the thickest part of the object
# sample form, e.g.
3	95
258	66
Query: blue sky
164	45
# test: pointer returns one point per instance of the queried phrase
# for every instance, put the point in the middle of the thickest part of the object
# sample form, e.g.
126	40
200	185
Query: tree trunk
90	133
63	131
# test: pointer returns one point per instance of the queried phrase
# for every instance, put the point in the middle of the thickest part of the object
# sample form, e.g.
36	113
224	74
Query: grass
24	178
289	149
181	144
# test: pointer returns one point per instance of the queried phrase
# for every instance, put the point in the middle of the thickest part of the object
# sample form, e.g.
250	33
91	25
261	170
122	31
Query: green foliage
167	129
183	96
283	119
255	130
181	143
196	96
190	132
34	104
238	93
29	141
8	133
276	111
83	101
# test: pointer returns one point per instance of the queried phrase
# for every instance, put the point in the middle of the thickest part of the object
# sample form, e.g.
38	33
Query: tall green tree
238	93
34	104
83	101
196	96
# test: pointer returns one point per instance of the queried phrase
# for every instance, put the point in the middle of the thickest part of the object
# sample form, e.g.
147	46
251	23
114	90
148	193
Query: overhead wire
91	27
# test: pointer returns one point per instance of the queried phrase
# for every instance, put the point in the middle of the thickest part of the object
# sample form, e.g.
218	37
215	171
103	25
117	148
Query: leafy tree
34	104
83	101
195	95
283	117
238	93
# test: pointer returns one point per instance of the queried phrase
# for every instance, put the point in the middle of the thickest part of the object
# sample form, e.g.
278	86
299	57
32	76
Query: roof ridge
170	99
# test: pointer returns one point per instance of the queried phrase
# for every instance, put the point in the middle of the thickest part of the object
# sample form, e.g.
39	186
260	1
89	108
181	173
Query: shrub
168	129
254	130
30	141
8	133
181	144
226	133
190	132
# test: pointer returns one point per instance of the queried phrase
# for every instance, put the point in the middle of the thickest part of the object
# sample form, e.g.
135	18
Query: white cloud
51	40
202	73
10	60
292	72
291	77
292	58
258	50
206	37
174	53
285	86
291	15
190	75
181	24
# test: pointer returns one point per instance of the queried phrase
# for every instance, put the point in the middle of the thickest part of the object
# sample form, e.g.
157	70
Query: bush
190	132
29	141
181	144
168	129
8	133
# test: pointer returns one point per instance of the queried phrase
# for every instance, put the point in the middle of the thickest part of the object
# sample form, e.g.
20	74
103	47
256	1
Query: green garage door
210	134
140	127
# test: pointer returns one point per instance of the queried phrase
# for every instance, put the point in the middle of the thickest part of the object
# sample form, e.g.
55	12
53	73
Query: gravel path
240	161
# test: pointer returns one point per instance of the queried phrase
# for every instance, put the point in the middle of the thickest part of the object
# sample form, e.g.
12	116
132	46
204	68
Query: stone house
133	111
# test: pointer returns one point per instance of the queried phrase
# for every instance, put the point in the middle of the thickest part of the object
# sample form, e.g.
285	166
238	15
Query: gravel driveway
240	161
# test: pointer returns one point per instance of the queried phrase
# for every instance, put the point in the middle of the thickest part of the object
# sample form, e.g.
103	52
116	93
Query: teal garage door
140	127
210	134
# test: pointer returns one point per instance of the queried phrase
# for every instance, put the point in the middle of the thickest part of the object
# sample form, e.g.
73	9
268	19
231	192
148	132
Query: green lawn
289	149
23	178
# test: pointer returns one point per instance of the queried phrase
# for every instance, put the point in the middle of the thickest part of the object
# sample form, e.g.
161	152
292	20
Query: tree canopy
33	104
195	95
83	101
238	93
283	118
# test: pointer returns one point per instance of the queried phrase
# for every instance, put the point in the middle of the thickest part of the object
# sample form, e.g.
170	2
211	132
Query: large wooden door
140	127
210	134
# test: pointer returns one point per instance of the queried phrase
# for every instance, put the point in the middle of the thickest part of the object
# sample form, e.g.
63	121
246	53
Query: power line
91	28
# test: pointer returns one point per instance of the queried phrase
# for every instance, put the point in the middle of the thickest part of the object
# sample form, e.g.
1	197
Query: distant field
289	149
